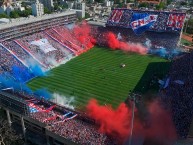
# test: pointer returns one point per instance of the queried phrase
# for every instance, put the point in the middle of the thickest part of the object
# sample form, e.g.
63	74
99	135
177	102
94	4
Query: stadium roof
18	22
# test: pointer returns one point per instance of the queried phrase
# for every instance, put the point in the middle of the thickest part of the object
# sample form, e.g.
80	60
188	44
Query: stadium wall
30	26
27	124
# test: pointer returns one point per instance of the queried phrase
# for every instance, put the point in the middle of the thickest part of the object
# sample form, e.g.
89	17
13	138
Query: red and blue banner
142	22
176	21
116	16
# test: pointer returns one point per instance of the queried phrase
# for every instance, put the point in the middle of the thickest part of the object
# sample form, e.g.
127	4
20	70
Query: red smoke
114	43
82	33
162	126
114	122
118	122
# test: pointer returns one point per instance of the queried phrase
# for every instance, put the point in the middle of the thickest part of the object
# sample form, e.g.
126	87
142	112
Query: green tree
3	15
160	6
100	1
64	6
169	2
25	13
56	6
143	5
87	15
183	3
14	14
188	26
46	11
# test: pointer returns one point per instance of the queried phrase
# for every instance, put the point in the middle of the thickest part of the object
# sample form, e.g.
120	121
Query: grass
185	42
97	74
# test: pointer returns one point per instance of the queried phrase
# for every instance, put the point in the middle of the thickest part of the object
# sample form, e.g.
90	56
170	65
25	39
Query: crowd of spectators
69	36
123	18
17	50
47	58
178	95
65	39
165	39
7	60
75	128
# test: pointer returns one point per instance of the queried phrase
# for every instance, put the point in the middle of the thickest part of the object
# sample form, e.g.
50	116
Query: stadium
65	83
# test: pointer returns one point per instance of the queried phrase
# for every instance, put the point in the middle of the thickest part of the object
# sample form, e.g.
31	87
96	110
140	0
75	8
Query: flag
142	21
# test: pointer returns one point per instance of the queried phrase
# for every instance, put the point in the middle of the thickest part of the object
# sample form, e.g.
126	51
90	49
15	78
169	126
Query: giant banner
176	21
141	21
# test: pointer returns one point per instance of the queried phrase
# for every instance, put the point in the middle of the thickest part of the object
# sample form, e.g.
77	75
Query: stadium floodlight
134	99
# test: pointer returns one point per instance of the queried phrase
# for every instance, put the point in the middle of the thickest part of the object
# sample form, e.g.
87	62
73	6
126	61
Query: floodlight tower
134	98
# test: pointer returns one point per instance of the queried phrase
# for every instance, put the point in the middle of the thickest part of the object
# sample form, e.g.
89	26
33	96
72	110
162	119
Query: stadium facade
33	25
17	110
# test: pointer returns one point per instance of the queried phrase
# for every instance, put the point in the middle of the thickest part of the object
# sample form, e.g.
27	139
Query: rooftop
22	21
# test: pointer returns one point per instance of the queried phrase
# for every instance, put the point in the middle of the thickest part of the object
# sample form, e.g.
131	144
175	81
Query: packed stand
178	95
47	58
68	125
69	36
123	18
17	50
7	60
165	39
62	40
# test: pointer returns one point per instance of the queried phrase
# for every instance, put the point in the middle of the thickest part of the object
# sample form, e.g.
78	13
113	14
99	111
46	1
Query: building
37	8
48	4
26	26
78	6
6	7
152	2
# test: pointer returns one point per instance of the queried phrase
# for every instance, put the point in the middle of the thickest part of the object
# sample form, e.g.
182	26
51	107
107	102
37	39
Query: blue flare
22	74
164	52
8	81
43	93
37	70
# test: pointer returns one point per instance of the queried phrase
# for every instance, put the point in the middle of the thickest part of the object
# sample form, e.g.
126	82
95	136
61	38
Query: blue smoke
22	74
162	51
36	70
43	93
165	53
8	81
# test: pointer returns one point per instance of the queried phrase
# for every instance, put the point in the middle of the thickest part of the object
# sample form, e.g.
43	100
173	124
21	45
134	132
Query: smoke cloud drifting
114	43
118	122
63	100
83	33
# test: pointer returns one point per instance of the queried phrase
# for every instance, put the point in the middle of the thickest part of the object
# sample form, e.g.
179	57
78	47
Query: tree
64	6
3	15
46	11
87	15
26	12
14	14
56	6
169	2
183	3
160	6
100	1
143	5
188	26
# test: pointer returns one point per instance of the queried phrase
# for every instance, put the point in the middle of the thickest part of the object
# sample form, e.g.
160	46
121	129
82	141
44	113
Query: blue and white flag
142	22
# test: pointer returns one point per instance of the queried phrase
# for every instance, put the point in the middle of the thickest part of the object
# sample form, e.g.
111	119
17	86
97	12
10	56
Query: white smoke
64	100
148	43
119	37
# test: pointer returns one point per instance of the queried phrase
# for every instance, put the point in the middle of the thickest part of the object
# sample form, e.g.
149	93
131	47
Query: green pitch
97	74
